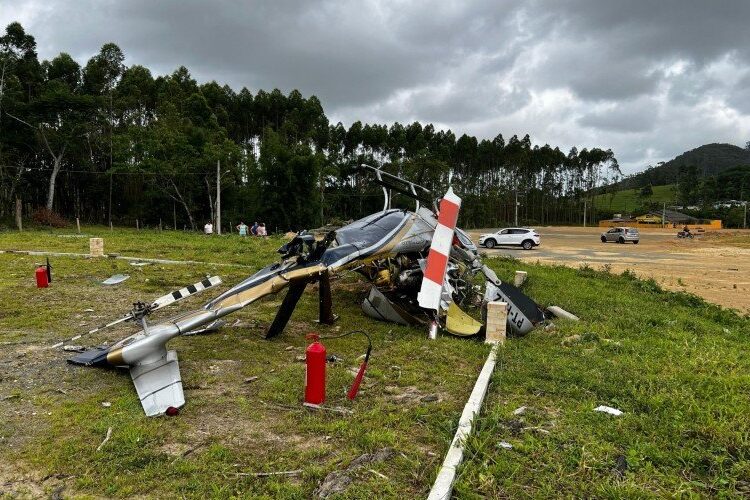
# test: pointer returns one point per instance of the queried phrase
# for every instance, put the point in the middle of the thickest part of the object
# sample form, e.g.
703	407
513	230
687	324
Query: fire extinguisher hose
361	373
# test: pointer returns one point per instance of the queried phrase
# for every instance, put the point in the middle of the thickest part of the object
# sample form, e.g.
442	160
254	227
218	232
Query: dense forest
111	144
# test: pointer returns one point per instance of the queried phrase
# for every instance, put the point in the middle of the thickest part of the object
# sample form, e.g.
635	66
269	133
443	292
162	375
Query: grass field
677	366
629	200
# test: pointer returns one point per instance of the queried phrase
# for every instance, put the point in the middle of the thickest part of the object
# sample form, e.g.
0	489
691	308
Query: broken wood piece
273	473
382	476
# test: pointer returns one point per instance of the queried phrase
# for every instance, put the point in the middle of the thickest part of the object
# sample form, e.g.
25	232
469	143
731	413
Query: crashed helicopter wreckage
391	248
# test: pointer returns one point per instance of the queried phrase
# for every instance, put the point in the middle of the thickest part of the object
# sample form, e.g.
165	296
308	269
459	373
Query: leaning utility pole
516	205
664	214
218	196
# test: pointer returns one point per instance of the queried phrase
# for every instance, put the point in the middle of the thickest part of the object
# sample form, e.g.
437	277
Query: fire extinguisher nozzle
357	381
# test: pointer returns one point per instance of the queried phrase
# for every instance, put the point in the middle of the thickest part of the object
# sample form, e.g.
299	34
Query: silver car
621	235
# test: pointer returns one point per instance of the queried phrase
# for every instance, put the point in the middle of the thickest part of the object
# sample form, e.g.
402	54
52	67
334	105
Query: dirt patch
711	267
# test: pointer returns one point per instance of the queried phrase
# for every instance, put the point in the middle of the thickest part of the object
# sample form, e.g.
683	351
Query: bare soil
708	266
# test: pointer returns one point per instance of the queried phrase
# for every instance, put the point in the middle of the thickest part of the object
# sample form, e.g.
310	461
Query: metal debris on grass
608	409
115	279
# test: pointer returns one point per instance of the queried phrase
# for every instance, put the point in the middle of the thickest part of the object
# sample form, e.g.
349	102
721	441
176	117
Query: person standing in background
261	231
242	228
208	228
254	229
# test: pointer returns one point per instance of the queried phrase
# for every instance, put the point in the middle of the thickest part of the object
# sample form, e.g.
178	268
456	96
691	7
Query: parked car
520	236
621	235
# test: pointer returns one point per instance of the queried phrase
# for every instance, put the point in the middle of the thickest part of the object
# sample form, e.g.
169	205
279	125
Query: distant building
670	216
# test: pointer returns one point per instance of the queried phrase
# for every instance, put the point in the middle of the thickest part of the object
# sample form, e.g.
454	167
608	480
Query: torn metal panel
115	279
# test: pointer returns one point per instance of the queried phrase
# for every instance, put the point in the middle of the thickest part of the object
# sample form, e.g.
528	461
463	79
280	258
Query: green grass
629	200
677	366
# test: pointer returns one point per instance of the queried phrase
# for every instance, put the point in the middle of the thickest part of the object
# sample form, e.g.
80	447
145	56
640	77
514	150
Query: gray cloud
649	79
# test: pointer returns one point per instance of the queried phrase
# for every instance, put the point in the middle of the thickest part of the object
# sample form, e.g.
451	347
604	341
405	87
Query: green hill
711	159
629	200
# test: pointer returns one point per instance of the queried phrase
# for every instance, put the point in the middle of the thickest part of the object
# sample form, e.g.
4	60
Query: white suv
524	237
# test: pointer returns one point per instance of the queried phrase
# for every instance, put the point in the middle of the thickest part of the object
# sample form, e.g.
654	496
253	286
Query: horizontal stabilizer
159	384
92	357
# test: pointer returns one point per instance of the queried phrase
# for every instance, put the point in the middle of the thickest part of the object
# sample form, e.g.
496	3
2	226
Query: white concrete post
520	278
96	247
497	321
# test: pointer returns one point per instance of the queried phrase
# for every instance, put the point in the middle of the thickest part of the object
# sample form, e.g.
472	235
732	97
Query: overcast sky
649	79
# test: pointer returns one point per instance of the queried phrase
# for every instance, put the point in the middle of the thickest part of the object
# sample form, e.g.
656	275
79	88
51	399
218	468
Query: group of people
242	228
255	230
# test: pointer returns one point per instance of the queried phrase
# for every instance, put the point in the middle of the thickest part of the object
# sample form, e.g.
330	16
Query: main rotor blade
184	293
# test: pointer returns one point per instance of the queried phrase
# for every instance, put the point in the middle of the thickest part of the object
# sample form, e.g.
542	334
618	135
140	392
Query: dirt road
718	272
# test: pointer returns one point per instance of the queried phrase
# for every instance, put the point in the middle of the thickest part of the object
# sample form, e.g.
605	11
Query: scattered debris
337	409
106	438
289	348
301	357
559	312
383	476
10	396
621	465
608	409
294	472
537	429
251	379
430	398
106	404
337	481
115	279
88	310
140	264
520	410
74	348
505	445
549	327
571	340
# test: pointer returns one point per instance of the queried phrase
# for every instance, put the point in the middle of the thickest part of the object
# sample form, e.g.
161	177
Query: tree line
108	143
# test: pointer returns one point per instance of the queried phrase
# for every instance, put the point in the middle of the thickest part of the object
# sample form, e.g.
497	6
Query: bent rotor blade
184	293
431	290
127	317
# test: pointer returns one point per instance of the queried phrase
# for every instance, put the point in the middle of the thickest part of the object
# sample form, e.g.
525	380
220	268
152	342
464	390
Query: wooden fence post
19	214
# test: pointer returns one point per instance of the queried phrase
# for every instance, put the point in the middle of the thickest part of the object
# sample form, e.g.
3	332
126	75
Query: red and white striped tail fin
437	260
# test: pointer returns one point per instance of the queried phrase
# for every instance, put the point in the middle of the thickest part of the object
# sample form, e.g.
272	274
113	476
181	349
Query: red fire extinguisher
315	371
42	279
